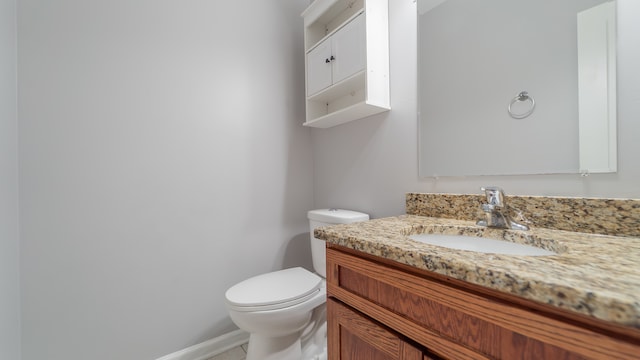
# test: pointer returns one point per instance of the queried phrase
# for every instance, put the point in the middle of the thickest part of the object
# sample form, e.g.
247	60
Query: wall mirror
509	87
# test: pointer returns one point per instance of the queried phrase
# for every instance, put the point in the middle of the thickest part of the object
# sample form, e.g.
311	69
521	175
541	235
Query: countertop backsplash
618	217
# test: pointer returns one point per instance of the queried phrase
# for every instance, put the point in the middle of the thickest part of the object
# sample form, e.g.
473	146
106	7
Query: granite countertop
594	275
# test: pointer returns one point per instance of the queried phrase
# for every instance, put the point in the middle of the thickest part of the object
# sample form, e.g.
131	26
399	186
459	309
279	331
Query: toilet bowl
284	311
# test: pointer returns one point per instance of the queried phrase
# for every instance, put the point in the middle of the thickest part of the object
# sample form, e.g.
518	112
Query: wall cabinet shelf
346	60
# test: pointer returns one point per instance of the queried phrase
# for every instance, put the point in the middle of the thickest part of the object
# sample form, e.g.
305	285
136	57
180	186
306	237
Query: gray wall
370	164
162	160
9	244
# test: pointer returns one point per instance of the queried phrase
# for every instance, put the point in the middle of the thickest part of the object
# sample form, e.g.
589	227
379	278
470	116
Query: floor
237	353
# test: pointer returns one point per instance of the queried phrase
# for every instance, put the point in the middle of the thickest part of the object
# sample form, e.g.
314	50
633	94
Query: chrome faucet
497	211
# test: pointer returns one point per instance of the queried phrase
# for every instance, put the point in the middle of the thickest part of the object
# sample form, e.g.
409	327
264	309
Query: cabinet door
352	336
319	68
349	49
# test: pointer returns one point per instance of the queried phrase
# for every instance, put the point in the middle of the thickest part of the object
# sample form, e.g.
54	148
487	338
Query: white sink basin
480	244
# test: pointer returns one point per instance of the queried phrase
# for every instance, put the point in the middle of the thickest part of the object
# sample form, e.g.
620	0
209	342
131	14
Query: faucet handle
495	195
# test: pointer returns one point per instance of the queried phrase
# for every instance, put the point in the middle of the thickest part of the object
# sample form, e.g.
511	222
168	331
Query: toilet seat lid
274	290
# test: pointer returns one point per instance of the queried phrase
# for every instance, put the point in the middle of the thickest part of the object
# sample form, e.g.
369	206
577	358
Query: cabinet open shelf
323	17
343	88
358	110
330	33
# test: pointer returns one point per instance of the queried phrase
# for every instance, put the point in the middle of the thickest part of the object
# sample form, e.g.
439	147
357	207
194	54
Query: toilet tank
327	217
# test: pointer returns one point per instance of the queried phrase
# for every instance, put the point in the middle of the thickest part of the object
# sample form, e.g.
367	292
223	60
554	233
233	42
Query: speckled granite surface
592	274
619	217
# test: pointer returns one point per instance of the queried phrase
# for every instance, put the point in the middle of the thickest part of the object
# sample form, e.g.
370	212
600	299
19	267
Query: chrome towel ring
523	96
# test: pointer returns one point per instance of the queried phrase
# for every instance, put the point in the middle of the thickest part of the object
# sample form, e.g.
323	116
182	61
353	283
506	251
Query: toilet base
314	337
279	348
309	343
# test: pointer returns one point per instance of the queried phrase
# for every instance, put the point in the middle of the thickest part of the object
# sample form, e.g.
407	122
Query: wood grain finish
458	324
355	337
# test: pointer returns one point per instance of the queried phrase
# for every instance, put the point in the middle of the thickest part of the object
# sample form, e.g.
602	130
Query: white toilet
284	311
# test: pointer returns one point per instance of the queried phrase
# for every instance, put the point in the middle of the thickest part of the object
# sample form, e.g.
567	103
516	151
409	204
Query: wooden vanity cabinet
364	339
380	310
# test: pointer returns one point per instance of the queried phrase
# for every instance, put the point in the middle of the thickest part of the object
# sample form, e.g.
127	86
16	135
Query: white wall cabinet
338	57
347	60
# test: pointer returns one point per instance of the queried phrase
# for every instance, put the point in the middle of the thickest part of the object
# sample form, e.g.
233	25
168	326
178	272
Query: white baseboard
210	348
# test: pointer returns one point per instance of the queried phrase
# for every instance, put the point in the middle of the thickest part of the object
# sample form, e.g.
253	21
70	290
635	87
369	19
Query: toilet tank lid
337	216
